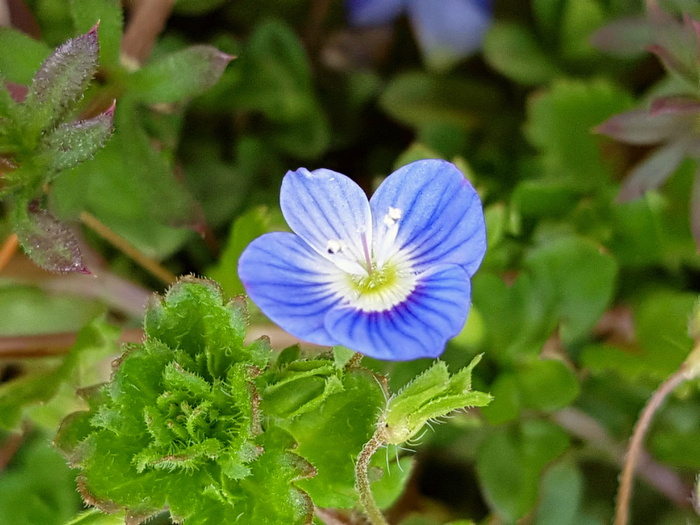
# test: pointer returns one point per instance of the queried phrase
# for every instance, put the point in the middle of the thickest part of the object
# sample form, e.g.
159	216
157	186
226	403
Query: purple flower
447	30
389	277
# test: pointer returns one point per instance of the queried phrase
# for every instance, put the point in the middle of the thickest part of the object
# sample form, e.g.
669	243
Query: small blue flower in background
446	30
389	277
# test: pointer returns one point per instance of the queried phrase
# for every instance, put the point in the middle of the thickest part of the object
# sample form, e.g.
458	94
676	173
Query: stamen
334	247
392	217
368	255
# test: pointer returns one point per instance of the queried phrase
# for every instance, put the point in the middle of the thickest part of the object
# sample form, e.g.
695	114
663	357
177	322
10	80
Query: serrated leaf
47	241
21	55
61	80
72	143
111	19
331	438
194	317
512	50
182	429
433	394
163	81
246	228
300	387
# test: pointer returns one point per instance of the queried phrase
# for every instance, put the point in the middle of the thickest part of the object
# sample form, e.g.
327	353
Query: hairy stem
588	429
634	450
150	265
362	485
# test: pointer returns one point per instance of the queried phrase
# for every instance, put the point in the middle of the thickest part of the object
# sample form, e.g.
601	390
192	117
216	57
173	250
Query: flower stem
8	249
362	485
688	370
151	265
146	23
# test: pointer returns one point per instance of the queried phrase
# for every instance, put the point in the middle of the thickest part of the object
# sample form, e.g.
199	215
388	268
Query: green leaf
332	436
95	341
512	49
547	385
544	198
579	20
96	517
419	99
27	310
559	124
275	79
249	226
163	81
75	142
194	317
300	387
660	319
111	19
548	14
510	461
37	488
577	280
179	422
518	319
561	491
47	241
121	183
61	80
21	55
433	394
8	106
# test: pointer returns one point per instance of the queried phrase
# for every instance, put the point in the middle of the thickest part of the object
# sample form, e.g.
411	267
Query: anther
392	217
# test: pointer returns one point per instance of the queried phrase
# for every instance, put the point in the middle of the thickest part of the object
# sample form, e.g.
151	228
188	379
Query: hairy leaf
179	76
62	79
111	19
47	241
181	425
72	143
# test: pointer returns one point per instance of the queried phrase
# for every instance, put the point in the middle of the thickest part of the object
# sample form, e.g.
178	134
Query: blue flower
447	30
389	277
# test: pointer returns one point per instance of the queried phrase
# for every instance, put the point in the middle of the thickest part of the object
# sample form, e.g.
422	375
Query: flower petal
289	282
330	212
373	12
419	327
440	217
654	170
450	29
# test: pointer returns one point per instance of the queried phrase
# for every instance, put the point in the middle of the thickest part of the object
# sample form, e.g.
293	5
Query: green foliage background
580	308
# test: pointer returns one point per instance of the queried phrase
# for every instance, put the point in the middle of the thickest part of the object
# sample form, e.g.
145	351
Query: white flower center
382	278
